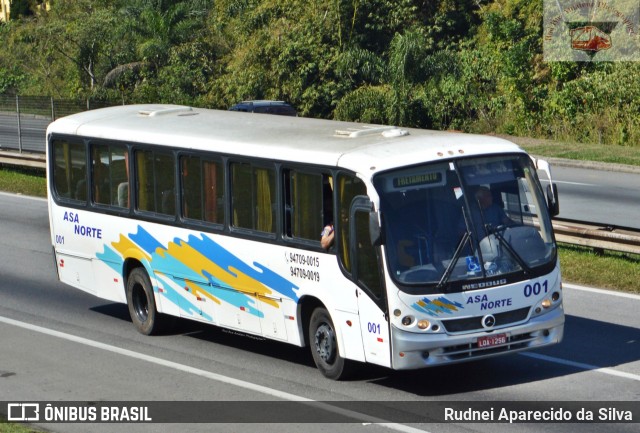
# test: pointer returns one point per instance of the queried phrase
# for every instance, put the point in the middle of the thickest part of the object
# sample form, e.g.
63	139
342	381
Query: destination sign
417	179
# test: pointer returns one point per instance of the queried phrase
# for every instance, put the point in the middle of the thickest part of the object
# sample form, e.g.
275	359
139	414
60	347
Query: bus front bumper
413	350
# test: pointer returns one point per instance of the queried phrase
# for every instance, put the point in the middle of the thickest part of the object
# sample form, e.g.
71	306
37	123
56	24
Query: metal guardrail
24	119
597	236
33	160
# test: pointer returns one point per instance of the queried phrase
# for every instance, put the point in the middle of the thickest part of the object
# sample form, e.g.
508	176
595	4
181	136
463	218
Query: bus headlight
407	320
547	304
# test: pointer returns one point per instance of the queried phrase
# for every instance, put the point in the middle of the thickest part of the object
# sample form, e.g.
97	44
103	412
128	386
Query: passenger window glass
253	197
155	182
367	257
202	189
308	204
348	188
69	170
110	180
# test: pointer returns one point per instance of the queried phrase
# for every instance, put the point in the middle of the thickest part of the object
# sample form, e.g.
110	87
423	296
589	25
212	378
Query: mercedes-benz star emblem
488	321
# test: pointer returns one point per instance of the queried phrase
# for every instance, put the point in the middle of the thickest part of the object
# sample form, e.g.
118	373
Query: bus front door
366	265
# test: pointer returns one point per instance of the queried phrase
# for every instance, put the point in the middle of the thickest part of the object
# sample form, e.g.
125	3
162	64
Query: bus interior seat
168	202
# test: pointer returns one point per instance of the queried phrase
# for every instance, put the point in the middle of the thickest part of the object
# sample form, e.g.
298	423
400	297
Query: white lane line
601	291
569	183
365	419
29	197
582	366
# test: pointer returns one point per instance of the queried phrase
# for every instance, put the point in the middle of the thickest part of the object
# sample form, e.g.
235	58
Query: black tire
324	346
142	305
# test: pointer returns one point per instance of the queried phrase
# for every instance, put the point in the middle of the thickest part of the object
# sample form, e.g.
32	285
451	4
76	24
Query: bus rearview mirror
552	199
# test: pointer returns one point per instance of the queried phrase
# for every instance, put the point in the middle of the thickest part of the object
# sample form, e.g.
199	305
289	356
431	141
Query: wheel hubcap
140	303
325	343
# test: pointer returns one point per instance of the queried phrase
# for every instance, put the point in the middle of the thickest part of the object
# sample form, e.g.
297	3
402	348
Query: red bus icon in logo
590	38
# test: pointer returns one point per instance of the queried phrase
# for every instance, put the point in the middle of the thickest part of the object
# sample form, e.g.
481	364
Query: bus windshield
451	225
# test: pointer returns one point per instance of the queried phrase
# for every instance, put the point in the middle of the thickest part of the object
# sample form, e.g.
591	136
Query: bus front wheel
141	303
324	346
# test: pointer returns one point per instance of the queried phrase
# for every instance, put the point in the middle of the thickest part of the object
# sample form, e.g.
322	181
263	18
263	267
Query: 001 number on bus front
536	288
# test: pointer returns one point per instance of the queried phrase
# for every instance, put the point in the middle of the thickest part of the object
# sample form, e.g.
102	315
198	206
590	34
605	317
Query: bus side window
253	197
202	189
155	181
109	172
348	188
305	204
69	169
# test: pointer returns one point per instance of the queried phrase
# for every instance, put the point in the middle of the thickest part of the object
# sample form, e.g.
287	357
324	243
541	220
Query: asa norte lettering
486	304
79	229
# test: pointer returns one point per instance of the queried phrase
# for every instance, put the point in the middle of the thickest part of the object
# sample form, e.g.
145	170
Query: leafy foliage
473	65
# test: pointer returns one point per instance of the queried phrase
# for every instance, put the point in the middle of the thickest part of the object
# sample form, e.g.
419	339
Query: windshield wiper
456	255
497	232
454	260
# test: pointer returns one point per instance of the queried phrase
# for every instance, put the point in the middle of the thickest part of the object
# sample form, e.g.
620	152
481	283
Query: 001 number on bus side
373	328
536	288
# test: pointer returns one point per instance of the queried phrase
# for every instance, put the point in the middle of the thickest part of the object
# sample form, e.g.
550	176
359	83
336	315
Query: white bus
443	248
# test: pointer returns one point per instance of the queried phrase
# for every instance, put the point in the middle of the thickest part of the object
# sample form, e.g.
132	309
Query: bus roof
355	146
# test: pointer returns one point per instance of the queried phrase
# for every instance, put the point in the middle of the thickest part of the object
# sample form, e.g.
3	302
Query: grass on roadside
23	181
613	154
610	270
8	427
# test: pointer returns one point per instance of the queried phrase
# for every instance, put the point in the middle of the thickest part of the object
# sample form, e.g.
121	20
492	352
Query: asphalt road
597	194
57	343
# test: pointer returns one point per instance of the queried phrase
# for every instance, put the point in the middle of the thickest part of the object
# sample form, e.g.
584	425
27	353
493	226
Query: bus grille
470	324
471	350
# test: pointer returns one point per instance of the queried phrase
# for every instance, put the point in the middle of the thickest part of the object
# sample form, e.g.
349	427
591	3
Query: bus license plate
492	340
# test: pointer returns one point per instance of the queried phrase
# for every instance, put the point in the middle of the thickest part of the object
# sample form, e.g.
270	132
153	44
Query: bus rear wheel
141	303
324	346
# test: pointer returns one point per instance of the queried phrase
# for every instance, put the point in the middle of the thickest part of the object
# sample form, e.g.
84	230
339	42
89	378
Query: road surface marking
364	419
601	291
568	182
30	197
582	366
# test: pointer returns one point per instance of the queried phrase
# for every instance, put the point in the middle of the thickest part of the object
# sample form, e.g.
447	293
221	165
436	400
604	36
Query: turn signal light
423	324
546	303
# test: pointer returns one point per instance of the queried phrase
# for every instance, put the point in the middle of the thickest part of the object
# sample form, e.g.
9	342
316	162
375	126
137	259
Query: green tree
20	9
72	45
392	96
278	50
156	29
158	25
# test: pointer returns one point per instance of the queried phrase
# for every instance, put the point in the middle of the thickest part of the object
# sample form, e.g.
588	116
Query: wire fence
24	119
